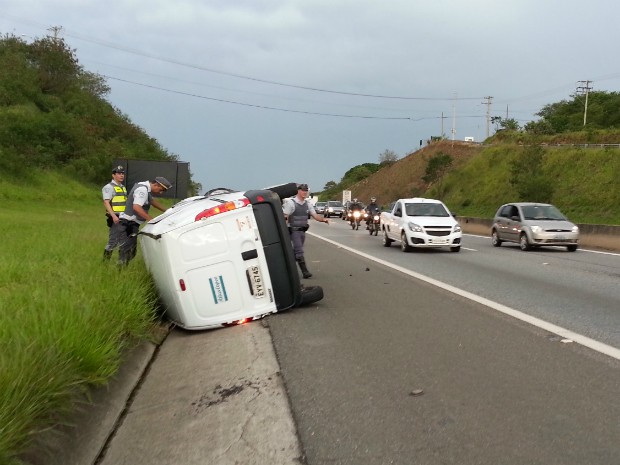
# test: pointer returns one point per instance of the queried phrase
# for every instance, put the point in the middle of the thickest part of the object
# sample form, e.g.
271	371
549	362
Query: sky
254	93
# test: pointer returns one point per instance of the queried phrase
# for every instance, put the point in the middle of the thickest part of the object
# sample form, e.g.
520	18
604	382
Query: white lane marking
602	252
467	248
552	328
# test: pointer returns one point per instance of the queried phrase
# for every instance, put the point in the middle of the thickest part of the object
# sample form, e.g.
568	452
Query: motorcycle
374	224
355	218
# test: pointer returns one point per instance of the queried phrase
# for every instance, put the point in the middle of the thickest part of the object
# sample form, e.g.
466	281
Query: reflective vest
119	199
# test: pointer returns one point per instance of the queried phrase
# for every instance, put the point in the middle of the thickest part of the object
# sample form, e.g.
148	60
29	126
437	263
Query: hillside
582	182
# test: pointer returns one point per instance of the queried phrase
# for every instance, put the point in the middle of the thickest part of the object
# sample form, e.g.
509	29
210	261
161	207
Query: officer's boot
107	254
304	270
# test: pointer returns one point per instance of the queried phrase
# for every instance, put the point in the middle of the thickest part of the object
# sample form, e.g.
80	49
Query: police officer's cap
302	187
163	182
118	169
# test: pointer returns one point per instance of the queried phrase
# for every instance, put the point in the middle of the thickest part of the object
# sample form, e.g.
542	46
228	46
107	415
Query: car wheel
404	245
571	248
495	239
455	249
311	294
386	240
524	243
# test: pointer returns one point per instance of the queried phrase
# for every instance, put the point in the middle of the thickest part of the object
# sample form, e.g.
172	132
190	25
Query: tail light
223	208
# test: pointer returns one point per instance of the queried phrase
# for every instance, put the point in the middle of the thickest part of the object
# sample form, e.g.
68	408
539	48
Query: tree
508	124
437	167
387	157
567	115
329	185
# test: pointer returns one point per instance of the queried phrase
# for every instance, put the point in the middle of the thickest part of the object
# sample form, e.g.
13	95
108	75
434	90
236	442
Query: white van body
215	271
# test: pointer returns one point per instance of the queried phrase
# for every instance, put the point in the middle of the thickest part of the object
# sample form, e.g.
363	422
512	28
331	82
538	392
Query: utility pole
442	118
453	119
488	104
584	89
55	30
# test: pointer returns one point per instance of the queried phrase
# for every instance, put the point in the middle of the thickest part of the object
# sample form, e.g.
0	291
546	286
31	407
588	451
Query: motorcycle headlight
376	218
415	227
356	214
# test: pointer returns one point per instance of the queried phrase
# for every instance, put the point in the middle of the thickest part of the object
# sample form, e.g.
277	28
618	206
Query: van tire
311	294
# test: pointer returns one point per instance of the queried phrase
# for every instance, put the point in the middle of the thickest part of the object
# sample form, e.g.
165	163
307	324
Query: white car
420	223
224	258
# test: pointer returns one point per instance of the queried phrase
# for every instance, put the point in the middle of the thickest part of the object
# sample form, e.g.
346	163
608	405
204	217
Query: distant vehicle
319	207
420	223
333	208
225	258
469	139
533	225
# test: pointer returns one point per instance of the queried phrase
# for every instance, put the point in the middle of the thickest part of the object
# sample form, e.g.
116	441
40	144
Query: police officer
114	198
136	212
297	210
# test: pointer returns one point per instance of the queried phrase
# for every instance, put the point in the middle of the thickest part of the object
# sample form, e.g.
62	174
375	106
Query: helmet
373	199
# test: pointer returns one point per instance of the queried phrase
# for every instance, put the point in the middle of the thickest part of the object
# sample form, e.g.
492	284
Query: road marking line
552	328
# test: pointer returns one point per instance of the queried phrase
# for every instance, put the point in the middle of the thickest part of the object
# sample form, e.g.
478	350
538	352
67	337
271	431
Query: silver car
533	225
319	207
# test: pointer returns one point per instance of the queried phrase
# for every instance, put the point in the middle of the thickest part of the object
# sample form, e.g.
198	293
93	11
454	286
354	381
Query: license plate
561	238
438	241
255	279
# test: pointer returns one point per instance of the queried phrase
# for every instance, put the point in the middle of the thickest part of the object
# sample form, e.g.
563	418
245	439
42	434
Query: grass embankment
66	317
584	183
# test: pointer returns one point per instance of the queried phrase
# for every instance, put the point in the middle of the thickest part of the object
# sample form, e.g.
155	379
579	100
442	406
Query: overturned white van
224	258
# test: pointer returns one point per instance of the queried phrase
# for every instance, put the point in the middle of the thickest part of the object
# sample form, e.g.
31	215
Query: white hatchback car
224	258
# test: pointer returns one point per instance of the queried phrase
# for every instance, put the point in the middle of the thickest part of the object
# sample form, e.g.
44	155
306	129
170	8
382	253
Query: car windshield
542	212
426	209
335	204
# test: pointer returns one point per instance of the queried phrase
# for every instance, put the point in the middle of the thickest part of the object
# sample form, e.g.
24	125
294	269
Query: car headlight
457	228
415	227
576	229
536	229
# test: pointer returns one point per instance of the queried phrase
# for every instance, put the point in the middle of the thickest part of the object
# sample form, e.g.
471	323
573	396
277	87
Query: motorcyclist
372	208
353	206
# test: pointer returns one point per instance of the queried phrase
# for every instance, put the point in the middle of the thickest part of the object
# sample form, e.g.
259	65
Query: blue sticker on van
218	289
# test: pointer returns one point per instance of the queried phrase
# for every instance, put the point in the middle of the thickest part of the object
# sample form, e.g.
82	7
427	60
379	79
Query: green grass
66	317
584	183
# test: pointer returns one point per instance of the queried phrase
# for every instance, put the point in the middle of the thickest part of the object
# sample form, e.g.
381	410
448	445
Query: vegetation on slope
53	115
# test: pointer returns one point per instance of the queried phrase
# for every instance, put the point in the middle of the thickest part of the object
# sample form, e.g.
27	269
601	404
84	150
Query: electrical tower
581	90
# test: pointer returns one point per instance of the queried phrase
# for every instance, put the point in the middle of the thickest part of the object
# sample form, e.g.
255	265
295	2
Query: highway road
487	356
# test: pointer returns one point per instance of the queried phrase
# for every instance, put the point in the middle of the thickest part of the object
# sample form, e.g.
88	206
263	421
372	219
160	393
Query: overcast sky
254	93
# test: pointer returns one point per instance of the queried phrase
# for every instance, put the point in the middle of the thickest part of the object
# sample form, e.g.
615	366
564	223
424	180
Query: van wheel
404	245
571	248
455	249
386	240
495	239
311	294
523	243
